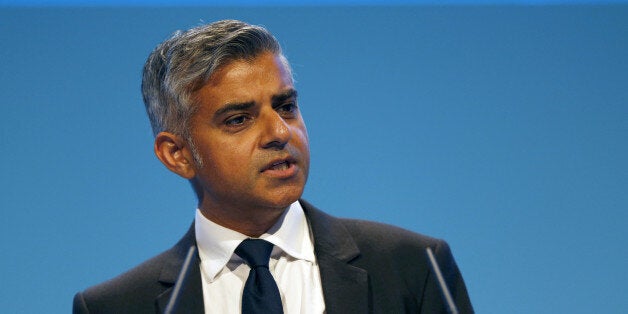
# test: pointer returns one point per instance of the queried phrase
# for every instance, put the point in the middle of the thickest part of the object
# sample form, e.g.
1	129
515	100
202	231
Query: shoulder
136	287
395	259
140	277
364	231
136	290
369	234
375	245
384	244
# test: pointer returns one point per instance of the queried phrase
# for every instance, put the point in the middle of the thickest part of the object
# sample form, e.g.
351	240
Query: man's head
224	111
183	63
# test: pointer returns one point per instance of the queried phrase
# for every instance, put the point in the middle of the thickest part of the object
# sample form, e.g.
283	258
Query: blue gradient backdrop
502	129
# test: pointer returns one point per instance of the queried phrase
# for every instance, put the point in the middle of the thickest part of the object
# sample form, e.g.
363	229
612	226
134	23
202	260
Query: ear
172	151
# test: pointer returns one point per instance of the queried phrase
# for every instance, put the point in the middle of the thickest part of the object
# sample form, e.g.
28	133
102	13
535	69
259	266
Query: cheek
301	132
237	156
225	168
219	156
304	143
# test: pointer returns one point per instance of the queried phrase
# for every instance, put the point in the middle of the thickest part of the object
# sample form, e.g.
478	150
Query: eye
236	120
288	109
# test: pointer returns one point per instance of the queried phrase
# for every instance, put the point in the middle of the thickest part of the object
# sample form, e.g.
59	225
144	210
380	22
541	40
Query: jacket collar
345	286
191	297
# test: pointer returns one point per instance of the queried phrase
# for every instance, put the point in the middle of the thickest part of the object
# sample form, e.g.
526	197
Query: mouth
284	167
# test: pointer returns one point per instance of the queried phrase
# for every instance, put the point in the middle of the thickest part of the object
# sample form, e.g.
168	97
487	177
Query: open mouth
283	165
281	168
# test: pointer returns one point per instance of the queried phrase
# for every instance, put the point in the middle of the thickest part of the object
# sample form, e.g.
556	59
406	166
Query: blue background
502	129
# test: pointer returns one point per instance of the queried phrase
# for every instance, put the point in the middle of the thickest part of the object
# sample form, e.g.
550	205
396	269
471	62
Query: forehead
254	81
262	69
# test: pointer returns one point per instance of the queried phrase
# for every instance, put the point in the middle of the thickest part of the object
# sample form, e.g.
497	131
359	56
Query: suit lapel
345	287
191	297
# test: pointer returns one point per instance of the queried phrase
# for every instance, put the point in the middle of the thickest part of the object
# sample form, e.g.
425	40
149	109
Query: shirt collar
216	243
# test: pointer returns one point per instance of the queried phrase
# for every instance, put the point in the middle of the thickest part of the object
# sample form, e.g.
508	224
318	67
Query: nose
276	132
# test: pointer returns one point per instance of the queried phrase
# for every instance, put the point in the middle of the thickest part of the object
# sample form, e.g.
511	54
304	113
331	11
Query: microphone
451	306
181	280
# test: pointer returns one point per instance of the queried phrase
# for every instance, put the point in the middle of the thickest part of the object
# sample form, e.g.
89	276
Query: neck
250	222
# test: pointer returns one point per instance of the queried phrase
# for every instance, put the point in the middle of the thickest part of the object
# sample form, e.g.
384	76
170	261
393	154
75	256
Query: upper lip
274	162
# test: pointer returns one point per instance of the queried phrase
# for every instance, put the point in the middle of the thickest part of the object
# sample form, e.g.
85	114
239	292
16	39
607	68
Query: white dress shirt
292	264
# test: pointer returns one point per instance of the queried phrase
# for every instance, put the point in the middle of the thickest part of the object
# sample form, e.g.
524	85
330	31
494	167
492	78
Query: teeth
280	166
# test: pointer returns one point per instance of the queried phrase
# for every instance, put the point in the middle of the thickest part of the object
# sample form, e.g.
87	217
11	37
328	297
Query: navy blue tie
261	294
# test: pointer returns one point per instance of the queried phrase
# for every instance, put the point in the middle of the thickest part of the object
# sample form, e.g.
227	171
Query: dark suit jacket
365	267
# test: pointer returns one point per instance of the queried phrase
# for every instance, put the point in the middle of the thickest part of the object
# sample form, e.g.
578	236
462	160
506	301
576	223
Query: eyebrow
290	93
234	107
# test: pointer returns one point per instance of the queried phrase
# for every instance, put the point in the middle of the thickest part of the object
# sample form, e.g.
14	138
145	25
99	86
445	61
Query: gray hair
183	63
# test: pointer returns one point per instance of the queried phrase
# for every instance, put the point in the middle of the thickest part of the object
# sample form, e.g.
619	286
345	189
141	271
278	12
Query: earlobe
173	153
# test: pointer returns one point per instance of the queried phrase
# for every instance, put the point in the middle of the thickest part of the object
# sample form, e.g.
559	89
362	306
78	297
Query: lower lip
283	173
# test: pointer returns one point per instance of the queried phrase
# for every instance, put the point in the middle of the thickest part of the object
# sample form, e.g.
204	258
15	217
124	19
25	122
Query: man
225	115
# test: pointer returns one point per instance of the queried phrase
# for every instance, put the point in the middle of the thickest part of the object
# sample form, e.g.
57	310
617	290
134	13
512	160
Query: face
250	138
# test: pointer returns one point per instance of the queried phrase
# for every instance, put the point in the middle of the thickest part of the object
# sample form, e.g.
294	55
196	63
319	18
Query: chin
283	200
283	203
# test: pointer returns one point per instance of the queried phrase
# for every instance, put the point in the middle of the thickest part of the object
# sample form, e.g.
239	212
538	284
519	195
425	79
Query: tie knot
255	252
